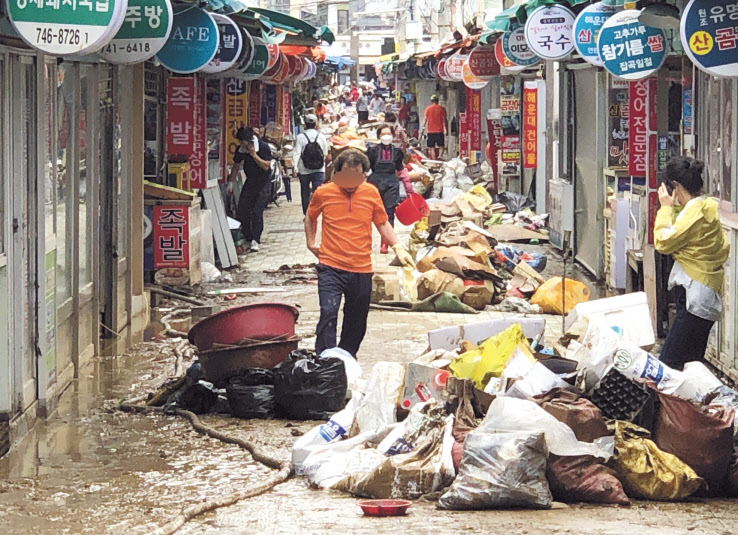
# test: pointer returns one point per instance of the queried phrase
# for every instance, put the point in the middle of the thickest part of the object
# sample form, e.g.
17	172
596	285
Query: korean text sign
198	158
638	128
530	125
236	113
709	33
629	49
171	237
474	119
181	110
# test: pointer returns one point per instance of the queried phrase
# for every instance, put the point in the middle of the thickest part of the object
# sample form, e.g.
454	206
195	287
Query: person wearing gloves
388	169
348	206
695	238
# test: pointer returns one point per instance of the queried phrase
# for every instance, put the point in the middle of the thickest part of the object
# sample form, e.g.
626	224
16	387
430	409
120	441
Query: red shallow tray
385	507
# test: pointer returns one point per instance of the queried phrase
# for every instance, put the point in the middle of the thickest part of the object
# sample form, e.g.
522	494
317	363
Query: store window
65	90
3	142
86	176
342	24
50	171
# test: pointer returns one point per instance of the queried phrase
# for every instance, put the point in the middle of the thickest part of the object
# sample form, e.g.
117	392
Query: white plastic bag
539	380
507	414
595	353
638	365
382	394
422	419
698	382
353	368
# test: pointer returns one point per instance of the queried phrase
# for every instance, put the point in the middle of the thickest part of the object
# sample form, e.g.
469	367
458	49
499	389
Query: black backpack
312	155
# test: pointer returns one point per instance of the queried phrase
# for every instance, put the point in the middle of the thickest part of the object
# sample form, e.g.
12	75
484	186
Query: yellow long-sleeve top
696	240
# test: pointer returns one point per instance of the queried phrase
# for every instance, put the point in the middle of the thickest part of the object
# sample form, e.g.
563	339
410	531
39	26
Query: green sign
144	31
259	62
67	27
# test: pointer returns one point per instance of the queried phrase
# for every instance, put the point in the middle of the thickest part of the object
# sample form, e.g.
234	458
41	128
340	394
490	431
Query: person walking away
348	206
362	107
309	156
385	161
253	156
696	240
376	106
400	139
435	124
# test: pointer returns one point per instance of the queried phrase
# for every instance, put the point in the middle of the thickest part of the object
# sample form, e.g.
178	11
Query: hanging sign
236	113
504	61
144	32
64	27
587	28
637	128
258	65
274	53
230	45
180	117
470	79
279	71
483	63
530	125
247	50
629	49
474	122
171	237
510	142
198	159
443	70
192	43
548	32
516	48
709	32
455	66
463	135
255	94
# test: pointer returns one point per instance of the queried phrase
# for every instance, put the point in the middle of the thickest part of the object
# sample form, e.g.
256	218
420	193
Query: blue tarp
340	62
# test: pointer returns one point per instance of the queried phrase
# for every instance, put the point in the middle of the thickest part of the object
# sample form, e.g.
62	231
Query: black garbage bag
514	202
198	397
251	394
308	387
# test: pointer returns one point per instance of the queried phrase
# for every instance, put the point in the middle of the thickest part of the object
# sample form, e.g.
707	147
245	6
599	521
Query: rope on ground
192	511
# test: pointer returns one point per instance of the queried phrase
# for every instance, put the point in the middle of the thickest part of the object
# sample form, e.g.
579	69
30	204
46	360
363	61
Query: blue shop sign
709	32
587	29
192	43
630	49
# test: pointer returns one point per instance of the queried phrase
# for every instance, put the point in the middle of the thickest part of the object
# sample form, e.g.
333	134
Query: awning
501	23
340	62
291	25
314	53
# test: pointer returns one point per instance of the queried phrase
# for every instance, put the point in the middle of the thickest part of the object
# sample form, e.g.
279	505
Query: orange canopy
314	53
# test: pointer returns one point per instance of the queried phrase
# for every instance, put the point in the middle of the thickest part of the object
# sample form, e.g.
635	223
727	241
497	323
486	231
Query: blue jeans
687	339
308	184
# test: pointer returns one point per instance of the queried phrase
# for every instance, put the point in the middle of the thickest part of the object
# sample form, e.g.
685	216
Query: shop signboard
638	128
180	117
504	61
236	113
510	143
516	48
483	63
470	79
287	110
171	237
269	104
65	27
530	125
443	70
273	54
618	114
687	111
254	111
230	45
474	121
463	135
192	43
144	32
629	49
258	65
455	66
198	158
548	32
587	28
709	32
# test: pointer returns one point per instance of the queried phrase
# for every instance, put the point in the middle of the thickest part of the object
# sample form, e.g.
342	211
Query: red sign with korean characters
474	120
463	135
181	97
530	125
483	63
637	128
255	103
199	157
171	237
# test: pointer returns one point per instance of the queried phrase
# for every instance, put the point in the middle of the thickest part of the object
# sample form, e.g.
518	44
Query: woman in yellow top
696	240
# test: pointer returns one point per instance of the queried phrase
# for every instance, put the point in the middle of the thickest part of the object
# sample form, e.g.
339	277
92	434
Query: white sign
145	29
548	32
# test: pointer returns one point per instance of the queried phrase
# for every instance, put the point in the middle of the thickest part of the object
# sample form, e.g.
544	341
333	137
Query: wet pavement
92	469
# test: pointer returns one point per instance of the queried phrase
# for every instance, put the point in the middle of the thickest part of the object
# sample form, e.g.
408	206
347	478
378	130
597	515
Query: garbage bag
489	359
198	397
425	469
500	470
581	415
640	366
422	419
308	387
699	383
353	368
514	202
331	431
701	437
646	471
251	394
464	422
511	414
378	408
584	479
548	295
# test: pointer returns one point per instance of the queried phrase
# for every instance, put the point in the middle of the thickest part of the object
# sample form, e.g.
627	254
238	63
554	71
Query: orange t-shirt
346	239
436	115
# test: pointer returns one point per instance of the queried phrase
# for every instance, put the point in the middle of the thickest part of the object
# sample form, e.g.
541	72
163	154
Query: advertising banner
530	125
637	128
181	97
171	237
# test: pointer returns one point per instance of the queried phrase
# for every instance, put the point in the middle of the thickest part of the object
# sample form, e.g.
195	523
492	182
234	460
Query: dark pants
308	184
356	288
389	190
251	205
363	116
687	338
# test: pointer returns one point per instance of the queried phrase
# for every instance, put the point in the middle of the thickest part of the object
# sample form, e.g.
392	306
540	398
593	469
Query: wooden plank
228	237
649	283
157	191
211	195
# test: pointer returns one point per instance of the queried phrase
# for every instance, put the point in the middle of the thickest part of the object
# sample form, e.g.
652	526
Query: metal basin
221	363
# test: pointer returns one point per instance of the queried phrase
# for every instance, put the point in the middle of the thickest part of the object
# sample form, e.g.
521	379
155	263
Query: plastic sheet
500	470
383	391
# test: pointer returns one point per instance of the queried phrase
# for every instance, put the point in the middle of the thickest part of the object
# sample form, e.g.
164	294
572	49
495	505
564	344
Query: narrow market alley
93	469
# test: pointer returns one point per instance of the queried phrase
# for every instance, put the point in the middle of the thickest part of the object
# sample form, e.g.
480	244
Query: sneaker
254	246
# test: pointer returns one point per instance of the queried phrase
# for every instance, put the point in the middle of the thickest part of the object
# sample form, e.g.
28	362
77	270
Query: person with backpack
308	159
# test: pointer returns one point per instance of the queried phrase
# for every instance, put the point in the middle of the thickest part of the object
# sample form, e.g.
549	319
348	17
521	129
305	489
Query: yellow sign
701	43
236	113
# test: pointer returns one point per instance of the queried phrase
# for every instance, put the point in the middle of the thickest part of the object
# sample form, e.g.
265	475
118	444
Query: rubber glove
403	256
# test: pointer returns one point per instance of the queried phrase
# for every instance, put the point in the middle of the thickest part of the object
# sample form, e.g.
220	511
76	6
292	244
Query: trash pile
489	418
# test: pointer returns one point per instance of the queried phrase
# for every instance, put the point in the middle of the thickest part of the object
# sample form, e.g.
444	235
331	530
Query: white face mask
386	139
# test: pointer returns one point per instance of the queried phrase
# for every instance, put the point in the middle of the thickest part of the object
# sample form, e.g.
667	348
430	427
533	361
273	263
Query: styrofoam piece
449	338
628	314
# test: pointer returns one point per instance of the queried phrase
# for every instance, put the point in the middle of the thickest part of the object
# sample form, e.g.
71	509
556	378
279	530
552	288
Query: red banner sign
255	104
171	237
483	63
463	135
637	126
530	125
181	97
474	119
199	157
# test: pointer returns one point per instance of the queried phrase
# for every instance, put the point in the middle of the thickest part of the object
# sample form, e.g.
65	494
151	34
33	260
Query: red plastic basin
235	326
412	209
385	507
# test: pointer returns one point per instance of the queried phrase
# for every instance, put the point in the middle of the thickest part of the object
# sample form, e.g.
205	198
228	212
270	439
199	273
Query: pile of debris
488	418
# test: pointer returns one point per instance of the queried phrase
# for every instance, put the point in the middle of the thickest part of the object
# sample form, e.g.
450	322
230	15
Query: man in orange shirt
349	206
436	126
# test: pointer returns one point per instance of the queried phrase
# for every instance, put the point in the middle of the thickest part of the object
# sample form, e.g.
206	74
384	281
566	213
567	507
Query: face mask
386	139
